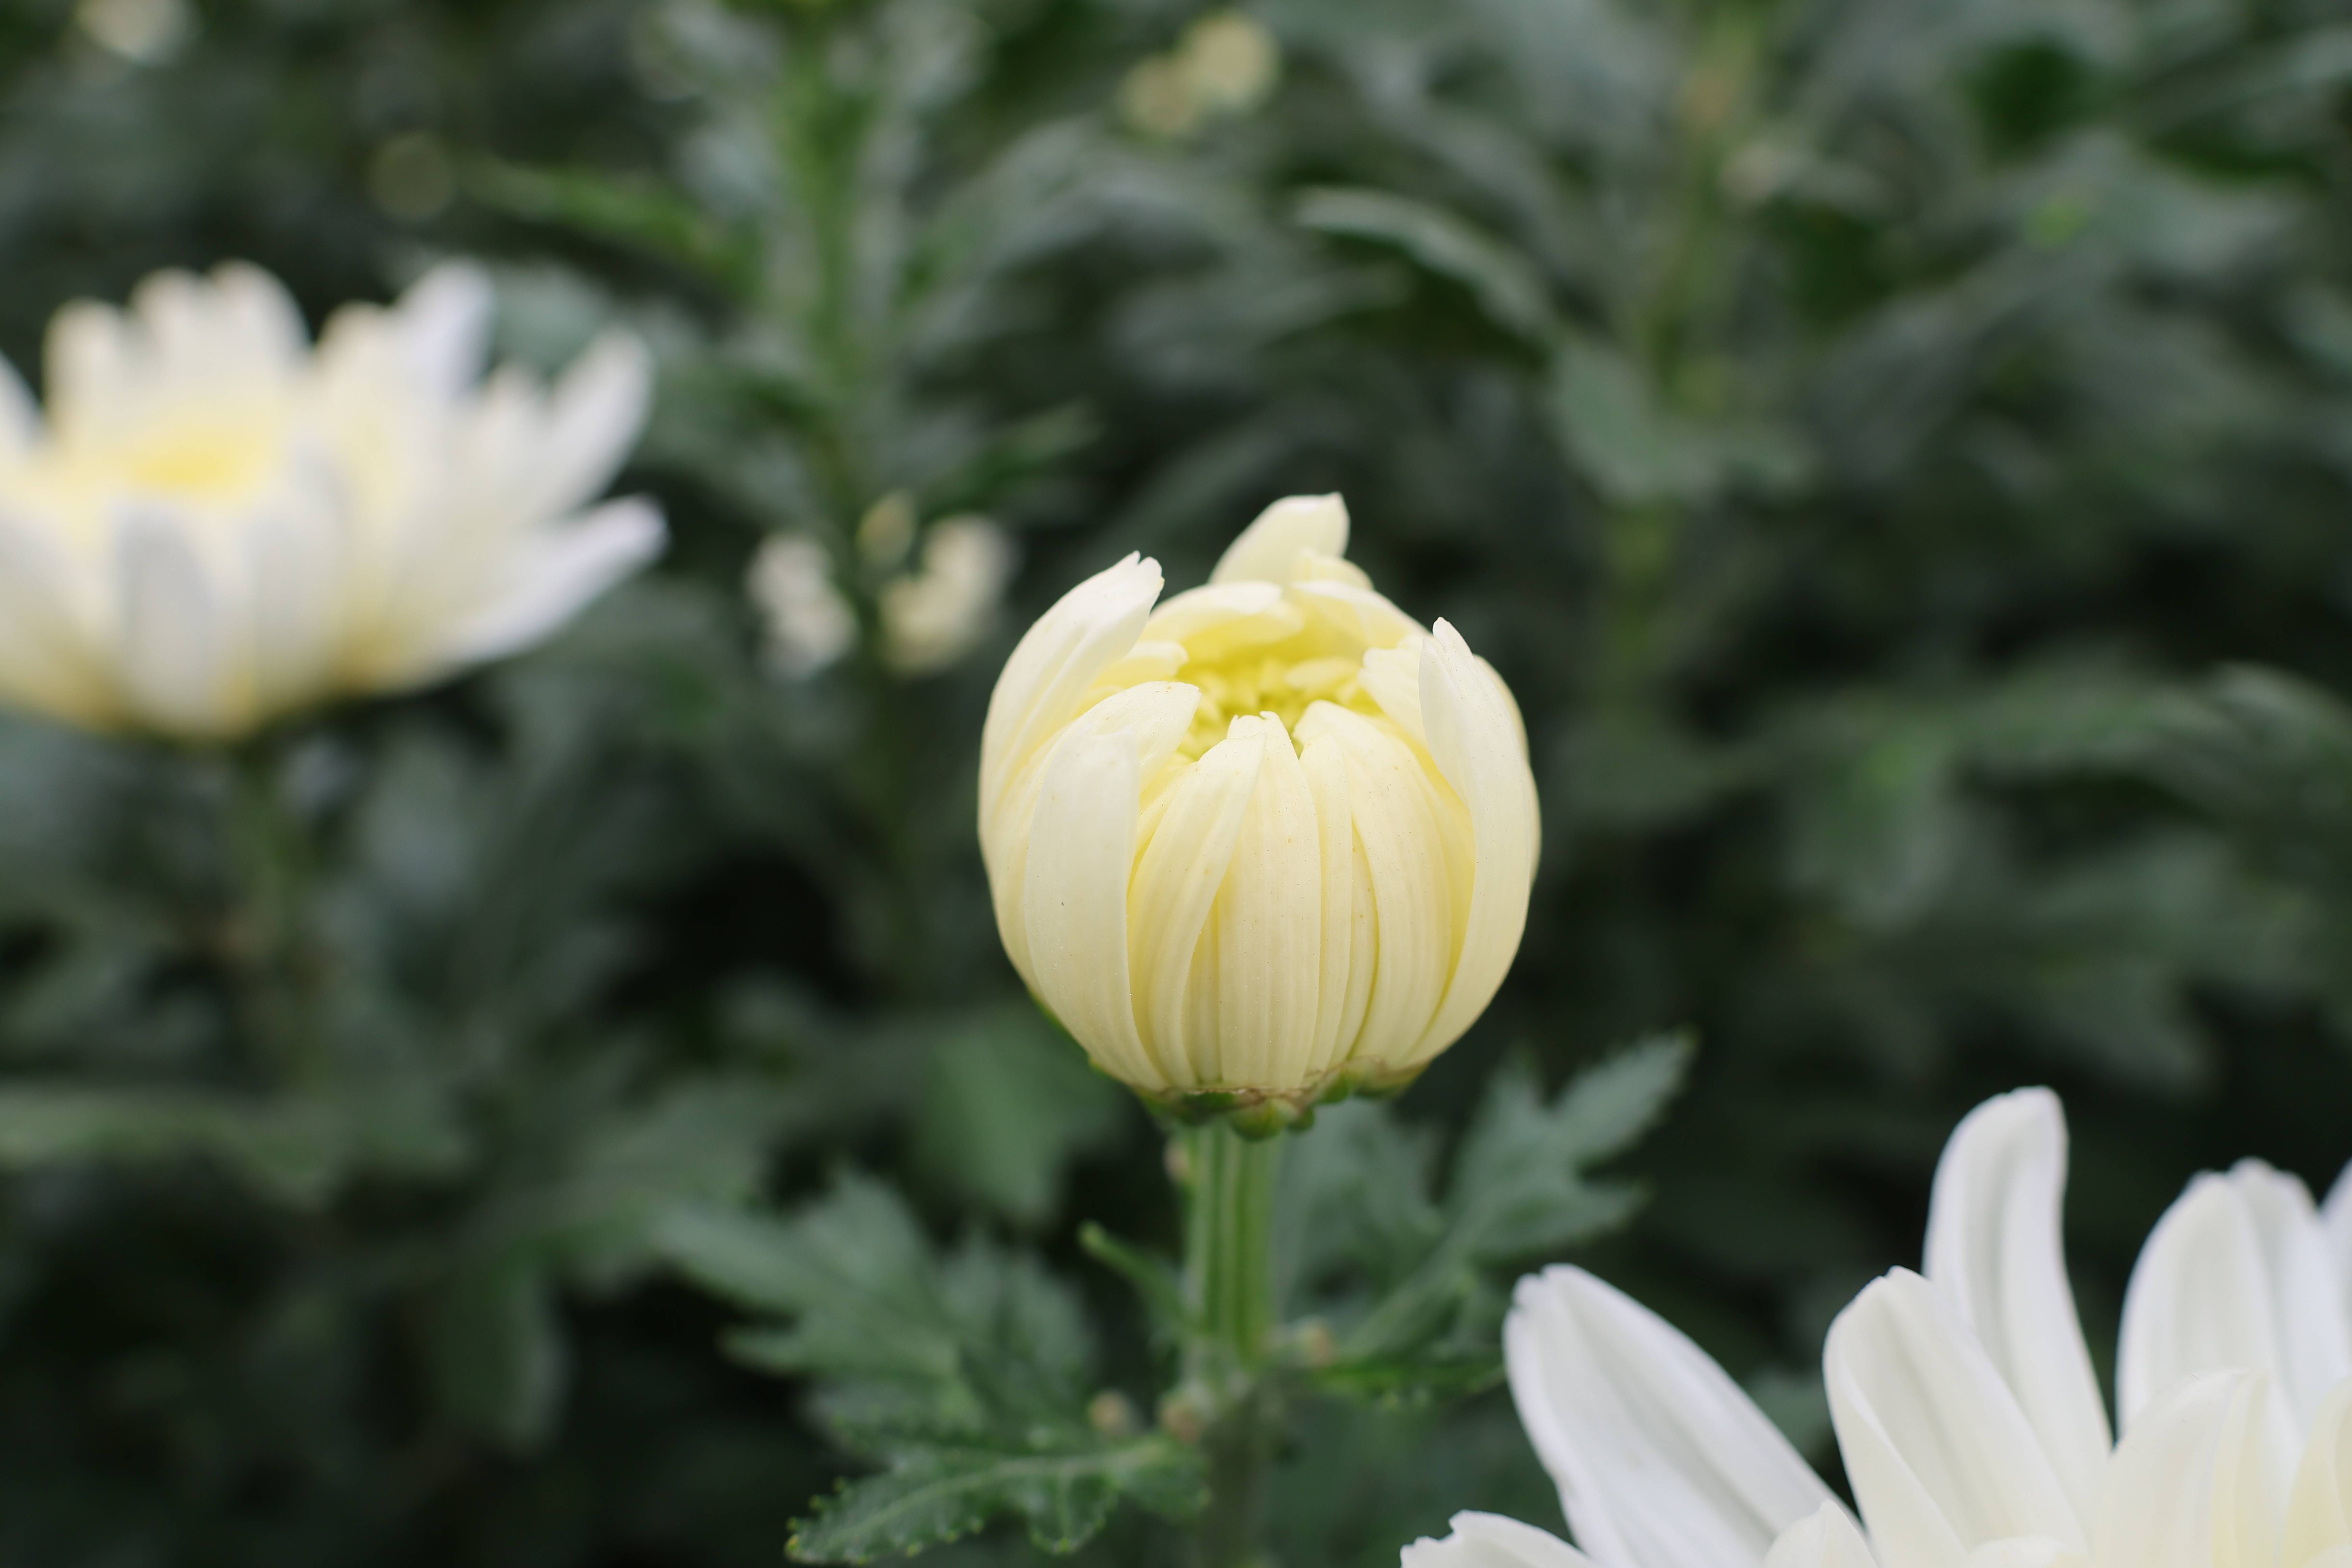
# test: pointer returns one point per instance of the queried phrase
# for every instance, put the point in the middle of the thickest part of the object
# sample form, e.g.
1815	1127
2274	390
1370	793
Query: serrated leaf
979	1340
941	1495
1519	1190
1518	1146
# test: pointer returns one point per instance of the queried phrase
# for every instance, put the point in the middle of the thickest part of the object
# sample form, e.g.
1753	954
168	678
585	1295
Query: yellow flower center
1278	681
200	457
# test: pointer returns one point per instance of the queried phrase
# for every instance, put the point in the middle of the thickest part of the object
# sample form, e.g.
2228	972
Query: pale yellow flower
1269	844
933	616
809	623
212	523
1225	65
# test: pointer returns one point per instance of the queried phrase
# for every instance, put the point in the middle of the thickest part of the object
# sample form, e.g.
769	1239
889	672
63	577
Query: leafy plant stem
270	856
1229	1281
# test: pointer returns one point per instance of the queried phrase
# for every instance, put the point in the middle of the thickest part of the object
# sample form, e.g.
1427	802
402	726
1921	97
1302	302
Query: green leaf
1518	1184
1008	1103
940	1495
497	1353
1518	1191
1507	287
648	215
294	1150
1639	452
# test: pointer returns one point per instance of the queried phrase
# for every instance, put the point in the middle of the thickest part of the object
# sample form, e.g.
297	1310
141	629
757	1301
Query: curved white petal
1661	1462
2191	1484
296	558
1942	1459
1050	671
1173	959
1825	1538
554	576
2319	1505
1075	895
1994	1249
2336	1216
1477	744
2238	1273
593	416
444	326
47	660
1270	928
172	633
1401	856
1490	1540
1267	550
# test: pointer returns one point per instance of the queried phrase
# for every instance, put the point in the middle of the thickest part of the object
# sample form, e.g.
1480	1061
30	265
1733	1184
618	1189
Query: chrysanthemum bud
1265	846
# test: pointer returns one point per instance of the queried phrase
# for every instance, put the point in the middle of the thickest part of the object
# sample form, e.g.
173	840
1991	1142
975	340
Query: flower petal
1267	550
554	577
1490	1540
1825	1538
2336	1216
1054	663
1941	1458
1351	924
2319	1505
1269	927
2236	1274
1477	744
47	660
1661	1461
1403	860
172	633
296	556
2190	1486
1994	1249
1074	897
598	407
1177	878
443	322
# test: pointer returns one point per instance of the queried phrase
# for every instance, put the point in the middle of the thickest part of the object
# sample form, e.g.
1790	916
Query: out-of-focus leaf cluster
1895	449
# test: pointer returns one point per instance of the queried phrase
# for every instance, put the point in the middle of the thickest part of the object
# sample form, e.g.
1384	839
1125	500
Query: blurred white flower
212	522
1267	842
145	32
1968	1415
809	624
933	616
1227	64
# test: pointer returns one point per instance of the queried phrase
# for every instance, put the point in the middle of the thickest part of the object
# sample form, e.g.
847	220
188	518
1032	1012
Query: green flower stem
1229	1281
270	856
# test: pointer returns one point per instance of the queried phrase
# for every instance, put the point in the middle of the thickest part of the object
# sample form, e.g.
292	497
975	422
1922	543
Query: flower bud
1266	845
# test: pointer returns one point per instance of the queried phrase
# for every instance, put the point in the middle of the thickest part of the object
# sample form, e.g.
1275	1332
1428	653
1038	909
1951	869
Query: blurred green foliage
1897	449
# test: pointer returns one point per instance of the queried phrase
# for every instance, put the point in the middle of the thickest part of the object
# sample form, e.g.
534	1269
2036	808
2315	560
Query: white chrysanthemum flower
212	522
935	614
1267	842
808	621
1967	1412
1227	64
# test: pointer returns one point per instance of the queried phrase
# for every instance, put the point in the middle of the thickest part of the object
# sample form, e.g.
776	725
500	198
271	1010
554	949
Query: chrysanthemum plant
1259	848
